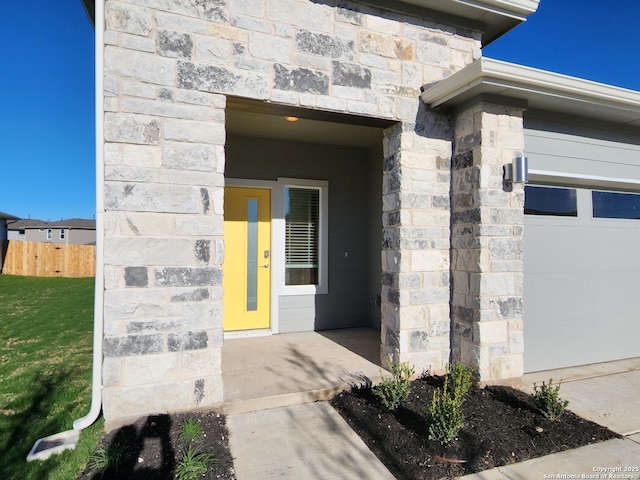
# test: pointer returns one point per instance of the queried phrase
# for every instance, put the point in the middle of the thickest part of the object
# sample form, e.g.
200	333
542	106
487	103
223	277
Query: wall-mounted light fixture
518	170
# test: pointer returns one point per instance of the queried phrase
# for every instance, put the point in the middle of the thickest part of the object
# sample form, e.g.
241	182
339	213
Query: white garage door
582	276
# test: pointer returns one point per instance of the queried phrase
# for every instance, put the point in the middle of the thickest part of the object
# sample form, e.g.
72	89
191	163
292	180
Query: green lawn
46	331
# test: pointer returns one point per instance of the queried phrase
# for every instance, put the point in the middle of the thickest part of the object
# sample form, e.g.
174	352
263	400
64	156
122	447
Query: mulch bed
152	444
501	427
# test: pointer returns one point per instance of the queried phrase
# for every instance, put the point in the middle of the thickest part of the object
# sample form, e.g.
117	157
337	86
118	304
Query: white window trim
63	233
49	234
322	287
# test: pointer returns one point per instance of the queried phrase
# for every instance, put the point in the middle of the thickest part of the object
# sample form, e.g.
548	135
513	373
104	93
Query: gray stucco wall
375	235
347	170
569	147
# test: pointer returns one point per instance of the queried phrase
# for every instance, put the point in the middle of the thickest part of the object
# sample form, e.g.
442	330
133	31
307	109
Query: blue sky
46	88
47	110
592	39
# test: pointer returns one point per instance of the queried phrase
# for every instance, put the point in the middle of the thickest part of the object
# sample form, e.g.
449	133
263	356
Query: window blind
302	228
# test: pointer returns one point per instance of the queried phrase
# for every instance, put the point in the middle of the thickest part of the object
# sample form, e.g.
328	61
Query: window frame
63	233
49	234
322	286
593	191
551	214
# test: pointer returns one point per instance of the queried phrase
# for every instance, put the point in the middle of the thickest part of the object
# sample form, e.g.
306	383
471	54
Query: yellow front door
247	258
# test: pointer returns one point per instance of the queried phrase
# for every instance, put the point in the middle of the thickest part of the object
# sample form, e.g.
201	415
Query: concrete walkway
301	442
275	433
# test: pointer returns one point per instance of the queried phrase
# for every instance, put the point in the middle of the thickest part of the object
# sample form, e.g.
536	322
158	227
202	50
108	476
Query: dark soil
153	448
501	427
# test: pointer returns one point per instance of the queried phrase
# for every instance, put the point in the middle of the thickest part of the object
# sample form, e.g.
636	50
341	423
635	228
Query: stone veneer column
415	245
163	253
487	242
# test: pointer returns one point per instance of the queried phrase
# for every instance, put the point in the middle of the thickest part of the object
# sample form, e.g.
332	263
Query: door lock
266	265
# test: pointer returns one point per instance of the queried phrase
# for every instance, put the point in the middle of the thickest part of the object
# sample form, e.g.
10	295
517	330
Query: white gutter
519	9
98	309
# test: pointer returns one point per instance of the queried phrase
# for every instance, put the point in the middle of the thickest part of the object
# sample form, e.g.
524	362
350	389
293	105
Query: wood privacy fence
49	259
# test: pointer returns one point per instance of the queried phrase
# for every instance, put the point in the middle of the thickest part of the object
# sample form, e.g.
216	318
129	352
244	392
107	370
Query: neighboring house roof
7	216
71	223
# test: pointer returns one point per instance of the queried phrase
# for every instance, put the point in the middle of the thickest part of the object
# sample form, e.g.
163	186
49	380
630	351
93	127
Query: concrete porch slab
293	368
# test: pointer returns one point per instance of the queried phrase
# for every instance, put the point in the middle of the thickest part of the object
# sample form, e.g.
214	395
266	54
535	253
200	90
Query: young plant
193	463
460	376
445	416
110	457
395	390
190	431
547	399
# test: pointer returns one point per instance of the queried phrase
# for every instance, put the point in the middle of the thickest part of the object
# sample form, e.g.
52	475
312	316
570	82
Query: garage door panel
552	242
581	289
614	293
616	247
563	294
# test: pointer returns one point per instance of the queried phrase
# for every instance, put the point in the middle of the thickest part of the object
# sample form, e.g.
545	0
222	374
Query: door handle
266	265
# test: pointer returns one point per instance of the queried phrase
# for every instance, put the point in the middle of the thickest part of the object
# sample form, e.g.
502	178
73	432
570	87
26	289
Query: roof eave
496	16
541	89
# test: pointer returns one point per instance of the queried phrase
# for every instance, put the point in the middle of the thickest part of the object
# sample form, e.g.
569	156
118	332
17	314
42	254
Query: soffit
539	89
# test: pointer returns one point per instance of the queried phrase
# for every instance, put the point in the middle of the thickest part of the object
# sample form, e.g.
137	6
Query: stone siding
169	66
487	242
415	256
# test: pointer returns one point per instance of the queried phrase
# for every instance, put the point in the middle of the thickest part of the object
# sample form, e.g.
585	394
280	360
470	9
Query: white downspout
98	320
45	447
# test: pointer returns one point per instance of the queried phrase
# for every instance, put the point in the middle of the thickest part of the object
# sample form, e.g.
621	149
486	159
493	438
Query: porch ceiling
339	130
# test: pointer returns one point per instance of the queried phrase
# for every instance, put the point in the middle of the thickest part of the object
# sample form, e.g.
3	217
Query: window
49	234
62	233
559	202
616	205
302	235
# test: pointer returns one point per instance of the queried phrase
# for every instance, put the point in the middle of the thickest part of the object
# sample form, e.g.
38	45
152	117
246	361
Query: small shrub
190	431
193	463
547	399
109	457
445	417
460	376
395	390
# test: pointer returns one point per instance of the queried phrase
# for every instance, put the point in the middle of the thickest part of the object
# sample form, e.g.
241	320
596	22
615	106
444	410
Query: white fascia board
489	76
